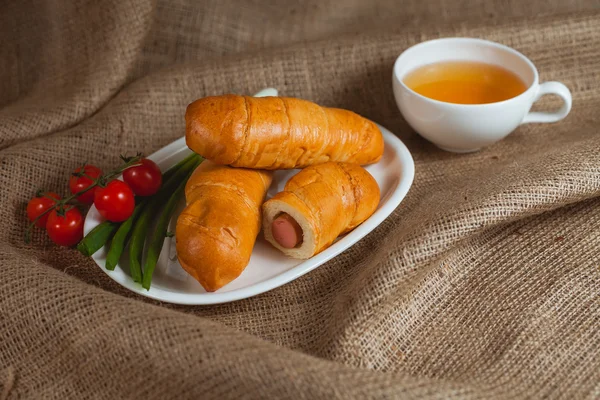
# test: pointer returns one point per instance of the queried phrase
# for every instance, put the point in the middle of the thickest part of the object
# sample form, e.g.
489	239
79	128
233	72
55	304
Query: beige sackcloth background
484	283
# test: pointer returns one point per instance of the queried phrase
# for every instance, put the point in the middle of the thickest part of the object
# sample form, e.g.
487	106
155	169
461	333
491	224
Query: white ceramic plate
268	268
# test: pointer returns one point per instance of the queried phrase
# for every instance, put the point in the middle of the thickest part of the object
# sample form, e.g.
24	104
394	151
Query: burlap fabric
484	283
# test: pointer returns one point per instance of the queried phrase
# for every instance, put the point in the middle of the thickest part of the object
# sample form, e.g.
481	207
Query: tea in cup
463	94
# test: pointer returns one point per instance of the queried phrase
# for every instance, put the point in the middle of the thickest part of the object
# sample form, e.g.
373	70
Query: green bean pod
117	245
167	175
97	237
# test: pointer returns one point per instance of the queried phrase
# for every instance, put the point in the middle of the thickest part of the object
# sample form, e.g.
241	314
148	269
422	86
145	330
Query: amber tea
465	82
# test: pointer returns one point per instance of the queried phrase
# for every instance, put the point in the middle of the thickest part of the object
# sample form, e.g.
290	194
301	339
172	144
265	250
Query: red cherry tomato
38	205
144	179
115	202
65	230
79	183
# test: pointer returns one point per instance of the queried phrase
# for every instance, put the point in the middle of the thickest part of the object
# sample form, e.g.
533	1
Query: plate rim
394	200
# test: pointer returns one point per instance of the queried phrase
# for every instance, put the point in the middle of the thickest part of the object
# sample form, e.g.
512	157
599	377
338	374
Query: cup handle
558	89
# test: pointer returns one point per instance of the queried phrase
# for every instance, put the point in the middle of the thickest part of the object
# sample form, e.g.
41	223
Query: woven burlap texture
484	283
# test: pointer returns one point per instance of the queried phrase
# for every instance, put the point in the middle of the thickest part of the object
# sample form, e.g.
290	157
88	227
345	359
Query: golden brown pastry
317	205
216	231
278	133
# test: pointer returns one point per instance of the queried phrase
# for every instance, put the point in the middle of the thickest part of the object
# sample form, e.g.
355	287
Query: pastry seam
229	187
287	136
191	219
246	131
350	181
363	137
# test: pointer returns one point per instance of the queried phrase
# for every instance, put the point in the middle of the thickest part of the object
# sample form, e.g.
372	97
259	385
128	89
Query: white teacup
464	128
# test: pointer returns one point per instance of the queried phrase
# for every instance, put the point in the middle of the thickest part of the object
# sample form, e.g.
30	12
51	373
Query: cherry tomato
115	202
38	205
65	230
144	179
79	183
